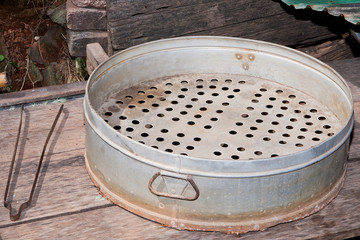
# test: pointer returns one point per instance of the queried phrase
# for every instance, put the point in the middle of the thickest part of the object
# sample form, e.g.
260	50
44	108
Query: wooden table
66	204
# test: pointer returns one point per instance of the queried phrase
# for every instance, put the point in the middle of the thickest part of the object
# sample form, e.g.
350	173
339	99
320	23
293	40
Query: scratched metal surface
219	203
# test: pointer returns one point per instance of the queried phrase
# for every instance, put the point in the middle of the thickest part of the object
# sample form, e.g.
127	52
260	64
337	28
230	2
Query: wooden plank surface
131	23
338	220
330	50
280	28
349	70
67	205
64	184
40	94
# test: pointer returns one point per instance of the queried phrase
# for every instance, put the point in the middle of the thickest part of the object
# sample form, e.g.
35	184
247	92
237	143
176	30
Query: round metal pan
217	133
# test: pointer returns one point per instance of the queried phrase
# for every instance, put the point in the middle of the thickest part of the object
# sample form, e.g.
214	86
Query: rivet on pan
238	56
245	66
161	205
251	57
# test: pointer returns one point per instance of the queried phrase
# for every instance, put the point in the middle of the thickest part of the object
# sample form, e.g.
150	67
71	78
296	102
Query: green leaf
2	57
15	64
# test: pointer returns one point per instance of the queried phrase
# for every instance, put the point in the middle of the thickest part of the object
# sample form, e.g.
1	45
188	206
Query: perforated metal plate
220	116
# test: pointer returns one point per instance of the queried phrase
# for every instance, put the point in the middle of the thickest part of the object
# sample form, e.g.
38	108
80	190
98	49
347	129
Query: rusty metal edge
238	228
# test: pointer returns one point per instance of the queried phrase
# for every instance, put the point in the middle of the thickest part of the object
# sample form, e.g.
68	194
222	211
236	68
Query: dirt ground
21	26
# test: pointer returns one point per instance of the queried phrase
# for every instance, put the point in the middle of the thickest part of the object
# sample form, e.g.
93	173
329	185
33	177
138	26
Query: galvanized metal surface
218	193
234	225
349	9
186	115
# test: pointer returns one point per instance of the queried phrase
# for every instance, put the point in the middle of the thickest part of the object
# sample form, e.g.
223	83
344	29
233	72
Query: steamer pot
217	133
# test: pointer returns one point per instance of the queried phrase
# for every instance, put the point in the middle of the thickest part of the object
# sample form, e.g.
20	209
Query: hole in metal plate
194	115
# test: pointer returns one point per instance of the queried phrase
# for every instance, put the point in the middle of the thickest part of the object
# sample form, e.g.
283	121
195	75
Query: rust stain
238	56
241	227
245	66
251	57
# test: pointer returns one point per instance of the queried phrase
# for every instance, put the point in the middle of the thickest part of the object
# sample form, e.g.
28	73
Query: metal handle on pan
174	196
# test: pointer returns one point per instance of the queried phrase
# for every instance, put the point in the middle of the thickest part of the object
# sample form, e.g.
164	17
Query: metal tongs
23	206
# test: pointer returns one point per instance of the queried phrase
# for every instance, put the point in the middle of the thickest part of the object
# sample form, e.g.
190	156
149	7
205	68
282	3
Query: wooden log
134	22
330	50
4	79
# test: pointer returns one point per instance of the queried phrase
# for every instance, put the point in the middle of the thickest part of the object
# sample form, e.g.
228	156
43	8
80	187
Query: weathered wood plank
37	121
280	28
105	223
95	55
246	9
262	20
67	205
355	142
330	50
336	221
64	184
122	9
40	94
349	70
